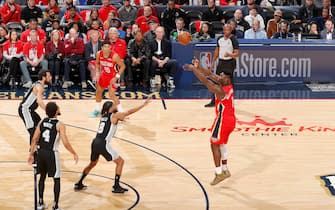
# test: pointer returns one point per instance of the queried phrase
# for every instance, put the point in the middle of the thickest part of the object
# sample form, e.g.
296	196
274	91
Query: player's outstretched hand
188	67
75	157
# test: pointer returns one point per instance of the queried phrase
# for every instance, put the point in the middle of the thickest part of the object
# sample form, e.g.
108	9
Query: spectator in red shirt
105	9
119	46
11	12
54	52
25	36
140	11
74	51
33	54
70	16
143	21
13	52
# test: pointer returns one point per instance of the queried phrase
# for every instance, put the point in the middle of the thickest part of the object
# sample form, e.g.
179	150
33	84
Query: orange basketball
185	38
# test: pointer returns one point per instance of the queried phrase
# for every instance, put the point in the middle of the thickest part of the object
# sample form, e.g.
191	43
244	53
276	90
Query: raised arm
122	115
203	79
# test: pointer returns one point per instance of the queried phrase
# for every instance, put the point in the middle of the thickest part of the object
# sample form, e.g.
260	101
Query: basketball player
32	100
100	145
47	136
225	120
109	67
227	51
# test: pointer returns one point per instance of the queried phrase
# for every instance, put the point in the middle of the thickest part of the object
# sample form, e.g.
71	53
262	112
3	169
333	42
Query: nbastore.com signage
277	60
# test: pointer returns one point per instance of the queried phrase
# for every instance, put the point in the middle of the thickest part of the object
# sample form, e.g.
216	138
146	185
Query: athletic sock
82	177
120	108
117	180
218	170
97	106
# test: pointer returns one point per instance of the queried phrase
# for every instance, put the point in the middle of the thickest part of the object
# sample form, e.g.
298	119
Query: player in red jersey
109	67
225	120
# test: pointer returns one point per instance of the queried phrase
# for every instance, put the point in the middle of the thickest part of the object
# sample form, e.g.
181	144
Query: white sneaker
27	84
170	83
158	80
83	85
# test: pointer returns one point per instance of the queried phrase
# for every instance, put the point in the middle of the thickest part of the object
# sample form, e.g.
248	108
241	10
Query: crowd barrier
266	60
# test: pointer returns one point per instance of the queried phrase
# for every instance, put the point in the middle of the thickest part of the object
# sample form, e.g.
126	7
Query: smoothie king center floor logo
260	126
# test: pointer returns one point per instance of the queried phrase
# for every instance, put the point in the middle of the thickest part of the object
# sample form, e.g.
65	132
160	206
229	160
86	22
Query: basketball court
280	156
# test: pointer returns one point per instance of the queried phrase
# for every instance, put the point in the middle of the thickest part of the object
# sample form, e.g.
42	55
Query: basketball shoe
79	186
220	177
119	189
95	113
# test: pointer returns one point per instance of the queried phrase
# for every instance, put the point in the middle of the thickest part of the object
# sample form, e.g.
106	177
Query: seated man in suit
91	49
161	59
328	33
138	60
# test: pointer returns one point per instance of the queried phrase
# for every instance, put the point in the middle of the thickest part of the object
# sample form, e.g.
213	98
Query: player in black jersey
100	145
32	100
47	135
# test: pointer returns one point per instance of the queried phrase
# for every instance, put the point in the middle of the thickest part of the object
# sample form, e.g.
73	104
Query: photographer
54	55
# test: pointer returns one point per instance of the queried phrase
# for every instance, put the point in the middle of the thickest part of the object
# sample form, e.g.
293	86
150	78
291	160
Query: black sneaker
210	104
119	189
79	186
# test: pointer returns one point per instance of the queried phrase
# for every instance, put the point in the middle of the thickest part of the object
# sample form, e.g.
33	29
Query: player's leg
224	160
56	193
98	98
109	154
118	171
95	153
42	170
112	95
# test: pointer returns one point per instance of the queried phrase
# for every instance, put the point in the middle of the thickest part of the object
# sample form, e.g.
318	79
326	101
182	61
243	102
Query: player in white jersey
101	143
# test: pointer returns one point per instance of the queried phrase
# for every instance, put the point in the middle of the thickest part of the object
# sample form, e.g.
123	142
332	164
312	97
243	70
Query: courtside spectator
33	54
25	36
74	57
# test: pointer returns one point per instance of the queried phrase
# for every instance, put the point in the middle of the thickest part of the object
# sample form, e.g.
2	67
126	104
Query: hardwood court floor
275	159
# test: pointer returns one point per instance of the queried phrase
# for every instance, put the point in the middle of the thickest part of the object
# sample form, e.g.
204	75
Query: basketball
185	38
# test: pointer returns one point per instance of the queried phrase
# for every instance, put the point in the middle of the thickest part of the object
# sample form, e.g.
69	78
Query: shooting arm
210	85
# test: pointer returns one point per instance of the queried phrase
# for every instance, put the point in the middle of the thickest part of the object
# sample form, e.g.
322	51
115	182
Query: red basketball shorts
105	81
221	130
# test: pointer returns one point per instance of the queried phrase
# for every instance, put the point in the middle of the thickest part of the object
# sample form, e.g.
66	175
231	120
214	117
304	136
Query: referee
227	51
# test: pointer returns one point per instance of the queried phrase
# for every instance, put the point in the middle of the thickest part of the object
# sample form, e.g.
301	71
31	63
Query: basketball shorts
105	81
221	130
48	162
29	117
102	147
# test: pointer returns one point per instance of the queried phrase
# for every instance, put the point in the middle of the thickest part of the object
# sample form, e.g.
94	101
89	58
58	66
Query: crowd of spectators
42	34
